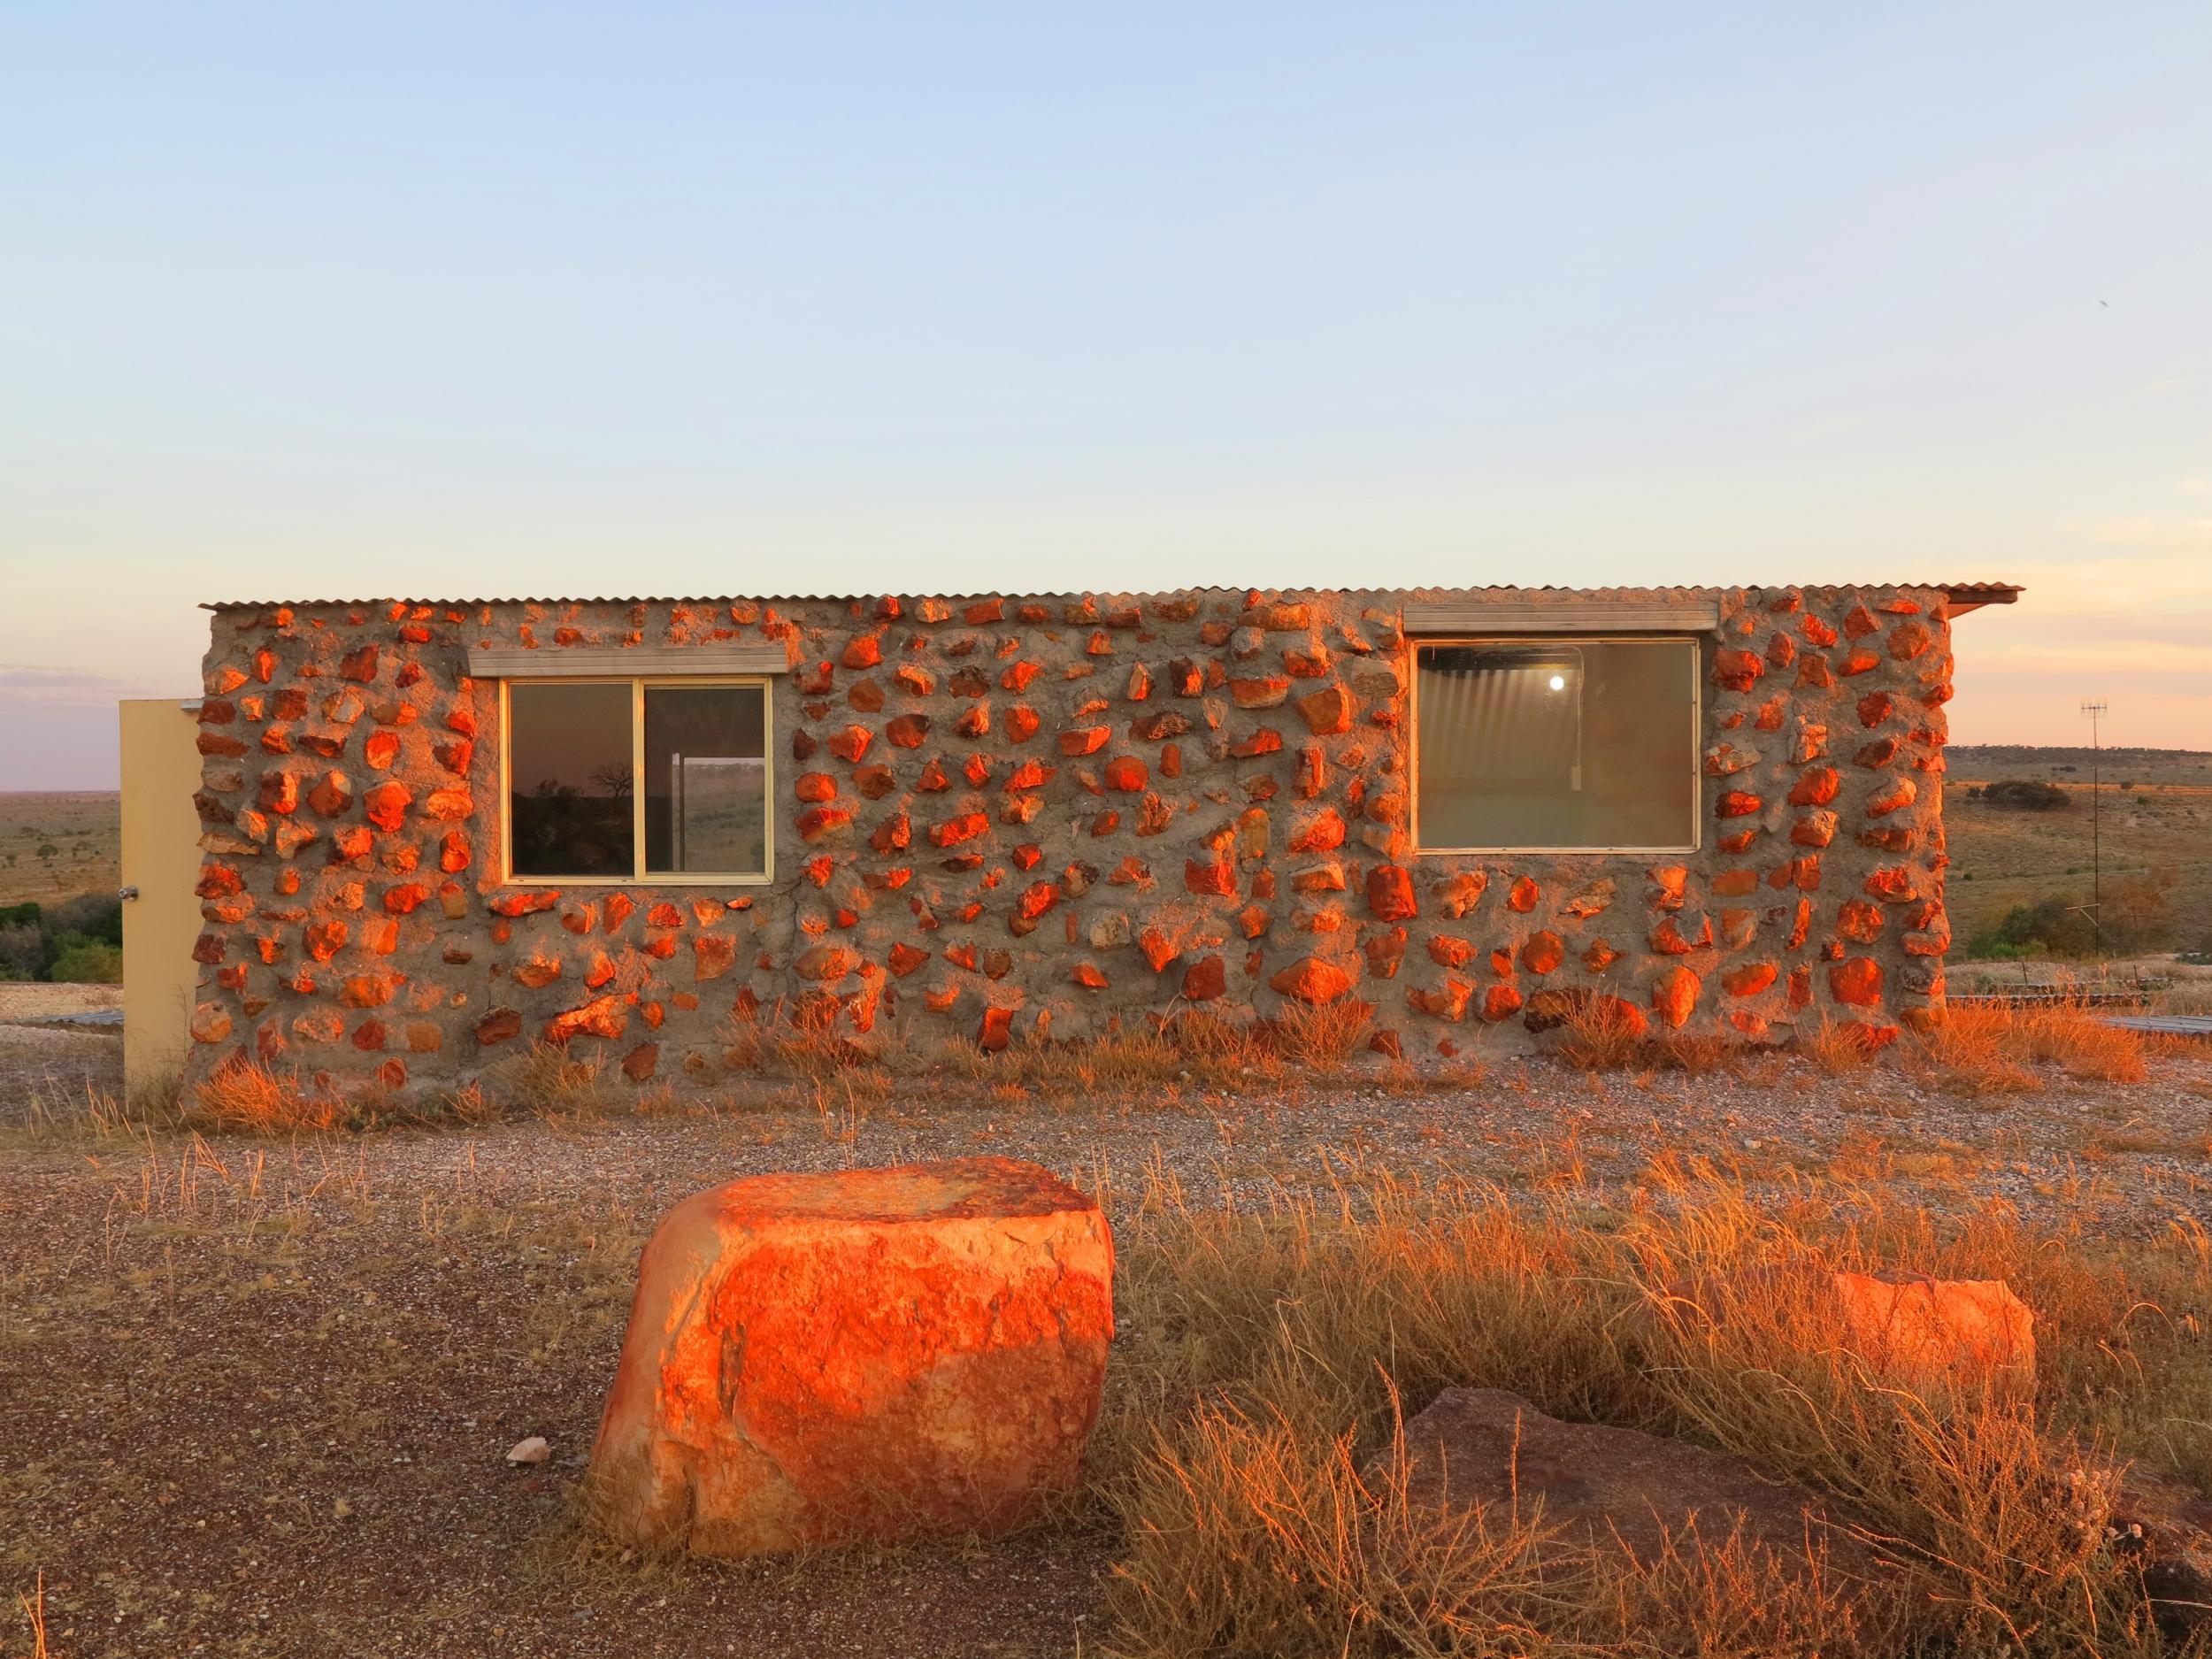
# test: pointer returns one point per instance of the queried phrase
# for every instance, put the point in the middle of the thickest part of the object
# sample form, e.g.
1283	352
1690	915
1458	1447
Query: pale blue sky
301	300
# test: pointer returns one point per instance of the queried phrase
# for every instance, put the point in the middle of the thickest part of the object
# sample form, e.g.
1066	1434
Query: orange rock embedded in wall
1669	939
1856	980
1390	893
1158	949
386	804
712	956
1856	919
967	826
1543	952
870	1354
1748	978
1736	670
1674	996
1214	875
1447	1000
1311	980
1908	640
1127	773
1816	786
1328	711
819	821
601	1017
1205	979
1265	692
1899	794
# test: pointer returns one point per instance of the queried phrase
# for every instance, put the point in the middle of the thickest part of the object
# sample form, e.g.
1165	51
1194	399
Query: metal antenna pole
2095	709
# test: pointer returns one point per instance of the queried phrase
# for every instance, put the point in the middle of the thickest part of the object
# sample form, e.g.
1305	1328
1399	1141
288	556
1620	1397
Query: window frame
1696	643
640	875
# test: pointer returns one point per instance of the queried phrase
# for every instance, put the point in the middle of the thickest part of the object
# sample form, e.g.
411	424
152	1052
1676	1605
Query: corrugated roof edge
1962	594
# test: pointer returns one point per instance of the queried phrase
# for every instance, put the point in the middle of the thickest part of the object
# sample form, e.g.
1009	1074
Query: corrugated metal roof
1961	593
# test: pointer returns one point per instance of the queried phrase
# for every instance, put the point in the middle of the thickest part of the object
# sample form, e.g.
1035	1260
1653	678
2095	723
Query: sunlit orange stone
863	1354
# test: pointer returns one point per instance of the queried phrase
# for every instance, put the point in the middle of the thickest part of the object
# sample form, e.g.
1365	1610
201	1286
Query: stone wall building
438	832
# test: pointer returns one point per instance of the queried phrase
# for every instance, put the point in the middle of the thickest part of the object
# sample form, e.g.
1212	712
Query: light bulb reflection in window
1558	682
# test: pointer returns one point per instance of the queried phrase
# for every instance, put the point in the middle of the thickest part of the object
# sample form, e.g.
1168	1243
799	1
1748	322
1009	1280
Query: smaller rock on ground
1605	1490
1931	1335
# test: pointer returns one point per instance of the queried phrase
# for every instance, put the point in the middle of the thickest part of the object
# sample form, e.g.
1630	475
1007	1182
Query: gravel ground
254	1396
54	1064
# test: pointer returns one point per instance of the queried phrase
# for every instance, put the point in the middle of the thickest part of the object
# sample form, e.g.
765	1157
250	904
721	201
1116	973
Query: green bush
2052	925
88	962
78	942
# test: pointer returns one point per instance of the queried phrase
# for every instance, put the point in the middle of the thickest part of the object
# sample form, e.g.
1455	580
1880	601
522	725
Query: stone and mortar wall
1003	817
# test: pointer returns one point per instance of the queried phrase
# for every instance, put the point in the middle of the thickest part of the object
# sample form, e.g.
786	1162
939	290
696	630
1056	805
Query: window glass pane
568	780
1578	743
706	780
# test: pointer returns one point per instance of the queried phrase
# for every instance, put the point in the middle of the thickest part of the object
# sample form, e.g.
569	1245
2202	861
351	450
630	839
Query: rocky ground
254	1396
51	1056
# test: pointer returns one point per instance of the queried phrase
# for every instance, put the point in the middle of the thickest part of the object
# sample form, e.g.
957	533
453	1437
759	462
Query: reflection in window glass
1568	744
706	780
568	780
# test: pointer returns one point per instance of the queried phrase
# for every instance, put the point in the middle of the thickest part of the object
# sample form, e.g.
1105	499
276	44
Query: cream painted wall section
161	858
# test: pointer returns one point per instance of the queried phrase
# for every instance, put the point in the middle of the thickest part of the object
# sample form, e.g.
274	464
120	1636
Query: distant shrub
22	951
2055	924
87	961
2027	794
2137	915
95	915
76	942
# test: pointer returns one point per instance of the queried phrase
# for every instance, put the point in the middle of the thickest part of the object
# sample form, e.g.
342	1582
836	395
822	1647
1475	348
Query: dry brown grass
1985	1048
1972	1052
1838	1047
34	1603
1192	1051
549	1081
1269	1356
254	1099
1607	1036
1599	1037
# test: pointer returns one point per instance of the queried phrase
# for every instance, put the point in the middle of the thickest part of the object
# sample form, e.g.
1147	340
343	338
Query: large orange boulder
860	1354
1907	1330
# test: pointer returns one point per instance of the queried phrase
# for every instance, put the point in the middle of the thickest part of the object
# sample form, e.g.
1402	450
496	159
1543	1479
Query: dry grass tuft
1838	1047
1972	1052
550	1082
1605	1036
1324	1037
1600	1036
1161	1059
34	1604
1253	1453
1982	1048
243	1096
